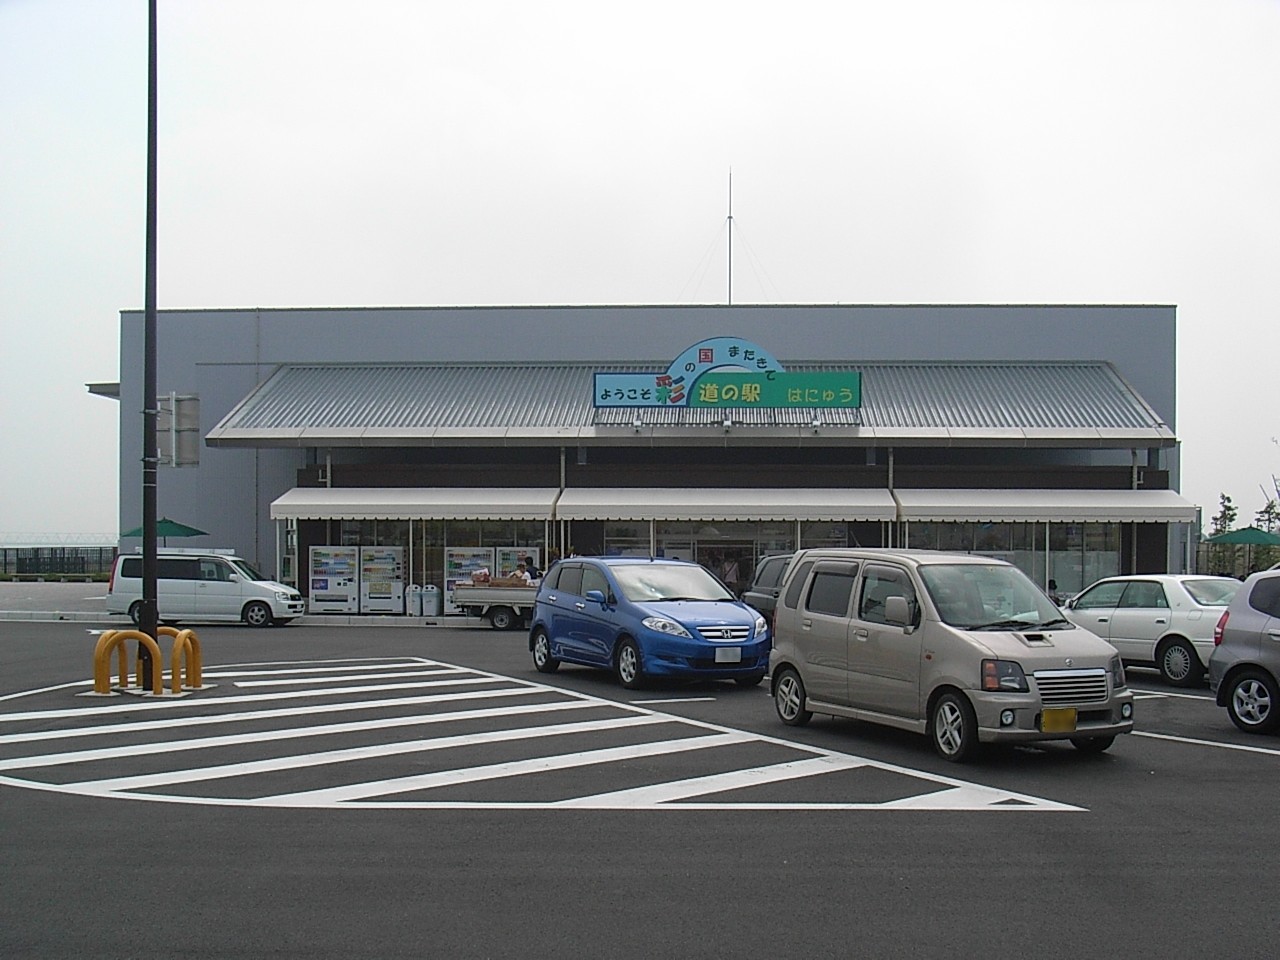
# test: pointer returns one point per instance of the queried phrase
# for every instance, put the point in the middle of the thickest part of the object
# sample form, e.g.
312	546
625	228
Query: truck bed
504	607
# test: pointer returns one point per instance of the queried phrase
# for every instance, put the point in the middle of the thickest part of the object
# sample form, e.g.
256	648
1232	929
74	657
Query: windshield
246	570
643	582
1212	593
989	596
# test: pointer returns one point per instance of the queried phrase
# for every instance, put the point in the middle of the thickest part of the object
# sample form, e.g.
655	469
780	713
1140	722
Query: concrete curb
40	616
307	620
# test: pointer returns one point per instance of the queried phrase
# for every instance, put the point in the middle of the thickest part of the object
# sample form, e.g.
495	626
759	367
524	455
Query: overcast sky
407	152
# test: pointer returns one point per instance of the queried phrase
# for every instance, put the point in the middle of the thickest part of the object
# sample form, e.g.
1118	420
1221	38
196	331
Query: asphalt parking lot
424	792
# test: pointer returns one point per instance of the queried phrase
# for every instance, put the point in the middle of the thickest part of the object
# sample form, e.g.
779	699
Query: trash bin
413	601
430	600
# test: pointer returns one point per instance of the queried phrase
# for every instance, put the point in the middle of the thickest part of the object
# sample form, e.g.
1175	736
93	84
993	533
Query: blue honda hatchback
644	618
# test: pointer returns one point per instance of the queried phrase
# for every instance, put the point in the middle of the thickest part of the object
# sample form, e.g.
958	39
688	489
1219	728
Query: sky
420	153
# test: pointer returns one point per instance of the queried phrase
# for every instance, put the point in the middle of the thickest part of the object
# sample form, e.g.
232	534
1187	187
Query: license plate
1058	720
728	654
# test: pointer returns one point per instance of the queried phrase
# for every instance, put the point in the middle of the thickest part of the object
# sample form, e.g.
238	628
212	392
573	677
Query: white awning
415	503
723	503
1066	506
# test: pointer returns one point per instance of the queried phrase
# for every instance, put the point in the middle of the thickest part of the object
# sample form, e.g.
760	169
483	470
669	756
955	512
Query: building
1041	434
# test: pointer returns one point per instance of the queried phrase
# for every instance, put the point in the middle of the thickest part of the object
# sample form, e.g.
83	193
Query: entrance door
733	561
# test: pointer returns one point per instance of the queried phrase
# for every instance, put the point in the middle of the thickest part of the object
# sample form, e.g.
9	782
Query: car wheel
501	618
1253	701
135	614
542	658
1092	744
1179	664
626	664
751	681
789	699
258	614
953	727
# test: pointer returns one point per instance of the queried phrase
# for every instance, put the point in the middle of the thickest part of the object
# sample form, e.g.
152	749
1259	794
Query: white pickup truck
506	608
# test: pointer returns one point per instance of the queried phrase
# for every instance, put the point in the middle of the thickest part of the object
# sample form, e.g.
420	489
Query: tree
1222	556
1268	518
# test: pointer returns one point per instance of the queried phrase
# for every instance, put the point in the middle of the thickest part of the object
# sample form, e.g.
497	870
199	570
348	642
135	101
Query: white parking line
231	718
345	679
276	764
424	781
292	733
1207	743
714	783
681	735
1161	694
164	704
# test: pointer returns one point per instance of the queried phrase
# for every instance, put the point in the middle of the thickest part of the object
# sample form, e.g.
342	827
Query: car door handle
862	634
580	605
551	597
1102	619
1161	620
1274	634
806	624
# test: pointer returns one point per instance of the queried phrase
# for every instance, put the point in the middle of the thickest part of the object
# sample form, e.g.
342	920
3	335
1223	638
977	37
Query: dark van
763	592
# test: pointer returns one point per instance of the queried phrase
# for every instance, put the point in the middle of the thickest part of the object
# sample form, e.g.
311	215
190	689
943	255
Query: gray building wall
221	355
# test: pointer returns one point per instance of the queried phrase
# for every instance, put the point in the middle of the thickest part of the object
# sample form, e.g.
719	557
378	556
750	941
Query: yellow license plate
1058	720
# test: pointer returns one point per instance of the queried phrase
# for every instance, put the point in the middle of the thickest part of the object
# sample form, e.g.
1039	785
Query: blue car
646	618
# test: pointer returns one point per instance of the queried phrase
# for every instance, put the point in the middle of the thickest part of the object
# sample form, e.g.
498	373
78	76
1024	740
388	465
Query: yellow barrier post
185	653
102	663
195	662
106	644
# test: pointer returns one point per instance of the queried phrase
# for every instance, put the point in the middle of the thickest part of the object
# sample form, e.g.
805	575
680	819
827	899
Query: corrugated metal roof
422	403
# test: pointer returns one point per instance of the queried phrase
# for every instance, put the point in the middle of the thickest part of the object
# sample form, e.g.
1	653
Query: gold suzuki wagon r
964	648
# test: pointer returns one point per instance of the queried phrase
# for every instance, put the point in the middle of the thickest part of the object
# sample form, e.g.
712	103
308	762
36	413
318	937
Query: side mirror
234	578
897	612
596	596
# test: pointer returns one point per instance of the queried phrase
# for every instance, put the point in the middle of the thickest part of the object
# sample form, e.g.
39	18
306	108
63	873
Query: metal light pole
147	621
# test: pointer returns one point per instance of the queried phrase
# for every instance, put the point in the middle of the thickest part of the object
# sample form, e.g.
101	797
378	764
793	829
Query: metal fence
55	561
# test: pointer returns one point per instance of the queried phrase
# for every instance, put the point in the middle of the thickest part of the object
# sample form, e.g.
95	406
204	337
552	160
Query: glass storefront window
822	533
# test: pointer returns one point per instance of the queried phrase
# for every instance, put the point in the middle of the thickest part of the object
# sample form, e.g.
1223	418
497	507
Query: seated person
523	574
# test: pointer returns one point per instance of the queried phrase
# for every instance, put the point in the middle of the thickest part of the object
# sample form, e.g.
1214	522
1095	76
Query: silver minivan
964	648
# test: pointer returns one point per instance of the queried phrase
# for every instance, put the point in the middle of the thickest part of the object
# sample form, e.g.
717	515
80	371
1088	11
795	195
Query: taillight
1222	625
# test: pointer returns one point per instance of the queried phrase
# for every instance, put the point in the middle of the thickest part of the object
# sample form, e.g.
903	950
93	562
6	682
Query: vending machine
382	580
335	577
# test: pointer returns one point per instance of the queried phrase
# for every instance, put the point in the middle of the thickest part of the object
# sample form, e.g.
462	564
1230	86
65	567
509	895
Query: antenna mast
730	221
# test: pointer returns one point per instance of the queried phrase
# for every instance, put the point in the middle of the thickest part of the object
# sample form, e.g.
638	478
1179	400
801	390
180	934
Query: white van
202	585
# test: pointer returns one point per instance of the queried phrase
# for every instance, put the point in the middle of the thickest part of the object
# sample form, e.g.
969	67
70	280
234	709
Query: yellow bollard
102	662
195	661
102	658
185	652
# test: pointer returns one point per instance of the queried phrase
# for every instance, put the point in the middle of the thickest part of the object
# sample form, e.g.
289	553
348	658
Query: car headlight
1003	676
1117	674
281	595
761	626
663	625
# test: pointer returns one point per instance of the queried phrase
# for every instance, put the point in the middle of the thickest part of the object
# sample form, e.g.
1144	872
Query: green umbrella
1251	536
167	528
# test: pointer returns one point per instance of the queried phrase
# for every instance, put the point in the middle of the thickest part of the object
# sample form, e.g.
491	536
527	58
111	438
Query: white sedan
1161	619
